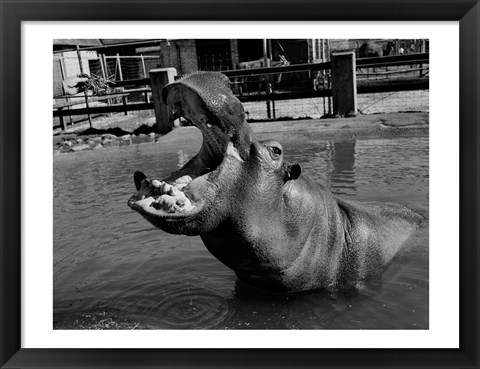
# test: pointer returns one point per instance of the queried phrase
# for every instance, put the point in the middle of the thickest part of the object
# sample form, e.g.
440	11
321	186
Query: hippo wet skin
259	215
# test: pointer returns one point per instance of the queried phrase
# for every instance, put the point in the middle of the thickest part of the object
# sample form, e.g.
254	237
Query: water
112	269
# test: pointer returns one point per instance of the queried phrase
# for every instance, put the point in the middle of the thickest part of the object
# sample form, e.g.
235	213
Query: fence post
119	67
102	67
105	65
158	79
79	57
80	63
143	66
344	84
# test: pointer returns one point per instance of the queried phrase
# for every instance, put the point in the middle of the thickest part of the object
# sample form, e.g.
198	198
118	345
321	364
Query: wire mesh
124	68
393	102
95	67
116	68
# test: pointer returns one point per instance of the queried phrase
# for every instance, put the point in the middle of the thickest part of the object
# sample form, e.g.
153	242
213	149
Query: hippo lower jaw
171	204
161	199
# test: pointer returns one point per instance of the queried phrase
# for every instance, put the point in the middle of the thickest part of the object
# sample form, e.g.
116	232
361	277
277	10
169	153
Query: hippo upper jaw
206	99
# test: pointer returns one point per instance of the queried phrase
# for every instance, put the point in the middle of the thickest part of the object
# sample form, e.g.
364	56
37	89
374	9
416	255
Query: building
128	59
117	59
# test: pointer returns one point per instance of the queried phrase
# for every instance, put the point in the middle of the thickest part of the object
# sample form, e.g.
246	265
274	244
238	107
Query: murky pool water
112	269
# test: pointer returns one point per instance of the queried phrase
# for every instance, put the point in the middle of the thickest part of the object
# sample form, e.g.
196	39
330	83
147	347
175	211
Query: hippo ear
292	172
138	177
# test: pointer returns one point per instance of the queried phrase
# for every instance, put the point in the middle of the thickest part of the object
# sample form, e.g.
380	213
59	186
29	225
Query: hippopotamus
258	214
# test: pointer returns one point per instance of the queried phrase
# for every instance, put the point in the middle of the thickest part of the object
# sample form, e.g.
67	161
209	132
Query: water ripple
191	308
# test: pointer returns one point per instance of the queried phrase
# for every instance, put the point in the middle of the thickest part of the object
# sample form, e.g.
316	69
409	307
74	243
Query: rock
109	136
66	146
109	143
91	143
80	141
97	139
98	147
142	135
151	134
81	147
126	137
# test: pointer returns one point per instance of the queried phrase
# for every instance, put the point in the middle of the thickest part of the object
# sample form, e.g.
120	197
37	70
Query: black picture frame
467	12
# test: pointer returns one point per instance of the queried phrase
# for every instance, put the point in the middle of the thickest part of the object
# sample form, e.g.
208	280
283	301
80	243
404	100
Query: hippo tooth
181	195
182	182
180	186
174	191
186	179
167	200
165	203
165	187
183	204
181	201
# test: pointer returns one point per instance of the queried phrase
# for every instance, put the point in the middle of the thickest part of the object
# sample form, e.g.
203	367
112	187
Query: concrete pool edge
361	126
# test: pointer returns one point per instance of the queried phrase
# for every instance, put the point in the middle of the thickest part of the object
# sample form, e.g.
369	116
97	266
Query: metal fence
384	84
112	67
382	78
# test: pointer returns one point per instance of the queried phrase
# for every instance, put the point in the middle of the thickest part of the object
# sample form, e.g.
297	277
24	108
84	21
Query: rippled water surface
112	269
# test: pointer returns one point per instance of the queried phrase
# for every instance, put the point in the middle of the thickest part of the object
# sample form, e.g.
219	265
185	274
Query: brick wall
234	53
179	54
188	55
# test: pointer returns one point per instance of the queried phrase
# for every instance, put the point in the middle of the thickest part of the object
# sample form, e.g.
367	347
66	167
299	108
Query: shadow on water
116	131
112	270
343	173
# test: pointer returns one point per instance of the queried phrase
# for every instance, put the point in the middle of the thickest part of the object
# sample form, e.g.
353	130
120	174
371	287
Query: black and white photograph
241	184
238	184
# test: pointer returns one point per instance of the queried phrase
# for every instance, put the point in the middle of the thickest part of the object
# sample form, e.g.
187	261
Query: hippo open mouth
160	198
209	105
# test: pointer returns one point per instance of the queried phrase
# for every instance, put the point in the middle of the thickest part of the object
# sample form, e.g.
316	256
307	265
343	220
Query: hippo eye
276	150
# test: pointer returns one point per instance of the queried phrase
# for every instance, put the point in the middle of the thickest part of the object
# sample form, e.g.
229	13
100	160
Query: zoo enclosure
378	74
112	68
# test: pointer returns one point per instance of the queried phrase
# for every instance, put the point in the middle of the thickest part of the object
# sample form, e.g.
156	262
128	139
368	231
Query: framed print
180	223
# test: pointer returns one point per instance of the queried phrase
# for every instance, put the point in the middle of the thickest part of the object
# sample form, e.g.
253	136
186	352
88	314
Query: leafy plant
97	84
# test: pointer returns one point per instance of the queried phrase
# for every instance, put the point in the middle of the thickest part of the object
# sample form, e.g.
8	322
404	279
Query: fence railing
411	82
